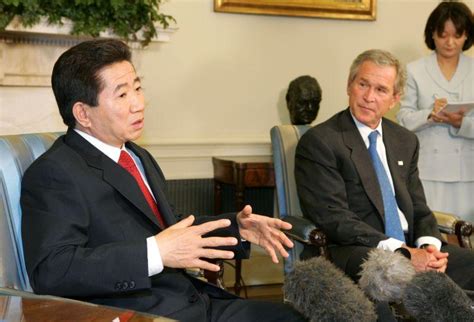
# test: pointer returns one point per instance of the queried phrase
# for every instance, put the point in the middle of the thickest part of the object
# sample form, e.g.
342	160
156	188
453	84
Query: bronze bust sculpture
302	99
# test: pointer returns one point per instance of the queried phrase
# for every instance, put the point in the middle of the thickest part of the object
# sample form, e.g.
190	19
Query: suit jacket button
118	286
131	284
124	285
362	240
193	298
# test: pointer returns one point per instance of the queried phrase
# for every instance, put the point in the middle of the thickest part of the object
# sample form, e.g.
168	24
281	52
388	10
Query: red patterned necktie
128	164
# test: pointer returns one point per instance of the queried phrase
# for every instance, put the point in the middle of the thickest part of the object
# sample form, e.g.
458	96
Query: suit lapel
156	184
112	173
452	86
361	158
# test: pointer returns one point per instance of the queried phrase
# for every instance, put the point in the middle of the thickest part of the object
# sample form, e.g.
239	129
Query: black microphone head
385	275
433	296
322	292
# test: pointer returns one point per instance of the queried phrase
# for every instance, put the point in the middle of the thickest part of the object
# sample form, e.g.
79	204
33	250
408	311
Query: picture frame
331	9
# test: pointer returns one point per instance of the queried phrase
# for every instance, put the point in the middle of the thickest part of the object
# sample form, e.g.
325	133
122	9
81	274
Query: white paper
459	106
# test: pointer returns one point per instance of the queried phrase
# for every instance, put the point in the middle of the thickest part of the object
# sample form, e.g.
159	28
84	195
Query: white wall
218	86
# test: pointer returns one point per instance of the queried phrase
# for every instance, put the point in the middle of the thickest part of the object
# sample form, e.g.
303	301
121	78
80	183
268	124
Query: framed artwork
332	9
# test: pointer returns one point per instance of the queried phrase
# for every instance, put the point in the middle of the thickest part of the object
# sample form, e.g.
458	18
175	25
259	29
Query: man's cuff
390	244
155	263
428	240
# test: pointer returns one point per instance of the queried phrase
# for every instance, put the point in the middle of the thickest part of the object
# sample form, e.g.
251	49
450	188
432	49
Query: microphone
426	296
433	296
385	275
322	292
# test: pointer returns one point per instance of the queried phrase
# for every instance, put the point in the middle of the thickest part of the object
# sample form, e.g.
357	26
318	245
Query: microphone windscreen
322	292
433	296
385	274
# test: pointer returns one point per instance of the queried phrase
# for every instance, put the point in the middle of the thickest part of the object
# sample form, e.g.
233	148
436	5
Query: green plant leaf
91	17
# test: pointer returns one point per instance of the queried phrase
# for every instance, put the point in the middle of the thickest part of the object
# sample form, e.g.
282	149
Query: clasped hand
182	245
428	258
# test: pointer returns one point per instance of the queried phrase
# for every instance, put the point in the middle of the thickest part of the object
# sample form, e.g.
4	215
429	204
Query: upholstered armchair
17	152
455	230
284	140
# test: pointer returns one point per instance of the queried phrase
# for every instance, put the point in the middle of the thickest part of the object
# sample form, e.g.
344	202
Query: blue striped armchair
17	152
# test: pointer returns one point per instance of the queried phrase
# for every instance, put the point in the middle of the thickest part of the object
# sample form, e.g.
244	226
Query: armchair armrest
306	232
452	225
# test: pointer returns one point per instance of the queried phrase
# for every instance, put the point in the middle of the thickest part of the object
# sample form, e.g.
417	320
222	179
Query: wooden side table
241	172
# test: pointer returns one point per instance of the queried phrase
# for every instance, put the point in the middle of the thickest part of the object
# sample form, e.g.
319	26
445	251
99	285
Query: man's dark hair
461	16
76	73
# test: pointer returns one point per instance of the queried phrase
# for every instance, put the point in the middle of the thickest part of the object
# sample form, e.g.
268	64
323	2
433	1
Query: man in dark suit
338	182
96	222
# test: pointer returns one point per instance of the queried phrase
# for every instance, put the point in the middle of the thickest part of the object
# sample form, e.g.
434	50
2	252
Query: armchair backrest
284	140
17	152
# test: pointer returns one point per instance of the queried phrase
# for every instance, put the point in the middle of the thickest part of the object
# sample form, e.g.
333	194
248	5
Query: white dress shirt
391	243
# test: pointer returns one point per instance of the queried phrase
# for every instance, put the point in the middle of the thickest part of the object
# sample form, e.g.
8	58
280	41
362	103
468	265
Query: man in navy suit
339	188
96	232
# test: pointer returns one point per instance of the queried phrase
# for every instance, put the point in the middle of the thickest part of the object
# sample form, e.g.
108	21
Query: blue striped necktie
393	227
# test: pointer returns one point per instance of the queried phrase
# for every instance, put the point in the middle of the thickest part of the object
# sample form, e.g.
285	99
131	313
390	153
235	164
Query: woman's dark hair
76	77
461	16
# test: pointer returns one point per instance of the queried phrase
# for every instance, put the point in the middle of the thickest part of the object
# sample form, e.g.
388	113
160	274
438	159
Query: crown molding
44	33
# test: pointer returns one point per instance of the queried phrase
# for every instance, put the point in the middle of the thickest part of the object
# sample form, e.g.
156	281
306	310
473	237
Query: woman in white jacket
446	162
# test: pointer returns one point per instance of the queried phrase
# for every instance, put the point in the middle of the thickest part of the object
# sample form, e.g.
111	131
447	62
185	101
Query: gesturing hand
182	245
265	232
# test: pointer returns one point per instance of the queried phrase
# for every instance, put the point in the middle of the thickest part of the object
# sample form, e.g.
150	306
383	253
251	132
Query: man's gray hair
380	58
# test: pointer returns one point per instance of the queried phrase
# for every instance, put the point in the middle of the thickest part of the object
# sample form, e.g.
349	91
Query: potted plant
128	19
